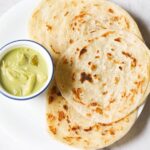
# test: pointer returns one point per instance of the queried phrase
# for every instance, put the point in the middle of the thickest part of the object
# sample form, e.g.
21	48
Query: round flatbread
68	126
105	77
58	24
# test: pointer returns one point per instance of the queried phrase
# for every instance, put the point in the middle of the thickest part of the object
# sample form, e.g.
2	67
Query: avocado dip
23	71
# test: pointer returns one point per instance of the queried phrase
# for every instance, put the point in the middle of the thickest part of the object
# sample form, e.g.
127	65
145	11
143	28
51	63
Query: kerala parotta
68	126
105	77
58	24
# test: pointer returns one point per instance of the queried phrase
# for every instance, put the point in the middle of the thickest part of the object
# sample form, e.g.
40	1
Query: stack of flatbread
102	70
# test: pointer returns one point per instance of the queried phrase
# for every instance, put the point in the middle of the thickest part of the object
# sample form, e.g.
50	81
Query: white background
6	4
137	139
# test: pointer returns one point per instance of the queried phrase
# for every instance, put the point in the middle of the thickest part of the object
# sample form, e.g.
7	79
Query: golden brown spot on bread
109	56
77	49
49	27
55	17
78	101
133	64
93	104
117	39
116	61
90	40
139	76
134	91
73	76
112	49
50	117
65	61
93	67
107	109
58	93
107	33
112	131
50	99
75	23
93	31
53	129
139	84
54	91
132	99
71	61
97	127
86	77
83	50
68	120
71	41
123	94
134	61
127	23
79	18
70	138
89	63
117	80
99	110
82	23
66	13
65	107
61	115
104	93
115	18
81	15
97	77
97	57
77	92
88	115
110	10
74	128
88	129
112	100
96	38
104	84
120	67
104	132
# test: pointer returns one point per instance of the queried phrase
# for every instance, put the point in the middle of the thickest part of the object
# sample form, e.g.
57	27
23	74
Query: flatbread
105	77
58	24
68	126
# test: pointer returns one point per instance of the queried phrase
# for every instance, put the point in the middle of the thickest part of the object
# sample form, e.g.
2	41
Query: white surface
23	124
6	4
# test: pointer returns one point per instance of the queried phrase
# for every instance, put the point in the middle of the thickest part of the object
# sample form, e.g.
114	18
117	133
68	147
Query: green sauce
23	71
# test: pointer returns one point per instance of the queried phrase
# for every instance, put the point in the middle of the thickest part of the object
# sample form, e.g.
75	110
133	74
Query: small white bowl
40	49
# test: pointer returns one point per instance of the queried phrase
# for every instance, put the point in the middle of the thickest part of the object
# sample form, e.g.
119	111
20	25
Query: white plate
23	124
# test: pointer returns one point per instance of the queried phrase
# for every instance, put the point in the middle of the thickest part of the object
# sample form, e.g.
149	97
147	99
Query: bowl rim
24	98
